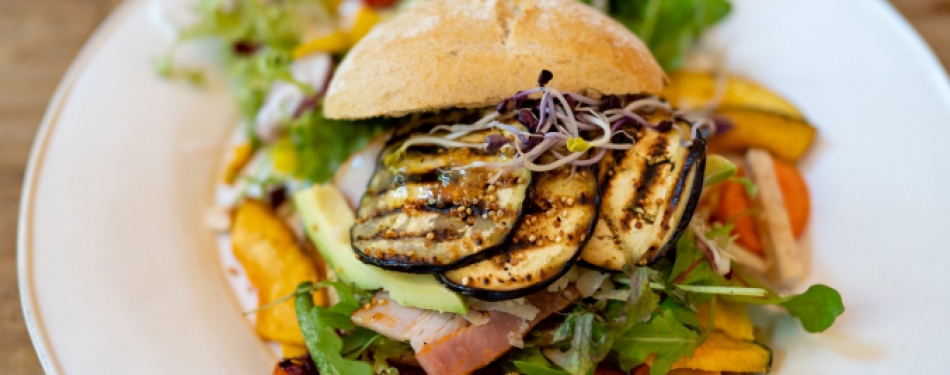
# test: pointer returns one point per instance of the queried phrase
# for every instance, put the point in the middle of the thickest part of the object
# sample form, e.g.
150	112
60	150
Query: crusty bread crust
473	53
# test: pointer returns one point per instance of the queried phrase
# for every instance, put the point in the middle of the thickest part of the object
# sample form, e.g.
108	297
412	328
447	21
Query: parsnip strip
772	222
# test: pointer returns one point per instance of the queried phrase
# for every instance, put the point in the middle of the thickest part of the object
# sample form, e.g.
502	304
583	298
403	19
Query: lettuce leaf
668	27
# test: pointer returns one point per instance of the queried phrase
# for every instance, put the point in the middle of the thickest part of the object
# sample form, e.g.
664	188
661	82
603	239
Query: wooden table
38	40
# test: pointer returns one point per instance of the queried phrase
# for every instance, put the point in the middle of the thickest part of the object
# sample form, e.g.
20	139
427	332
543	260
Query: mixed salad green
657	321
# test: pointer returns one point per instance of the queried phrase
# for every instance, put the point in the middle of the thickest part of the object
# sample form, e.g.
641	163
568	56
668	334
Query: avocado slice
328	221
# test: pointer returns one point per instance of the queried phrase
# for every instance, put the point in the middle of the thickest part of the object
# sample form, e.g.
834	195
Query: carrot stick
795	194
735	204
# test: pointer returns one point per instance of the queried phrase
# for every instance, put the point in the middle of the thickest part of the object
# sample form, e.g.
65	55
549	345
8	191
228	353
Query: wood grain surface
38	40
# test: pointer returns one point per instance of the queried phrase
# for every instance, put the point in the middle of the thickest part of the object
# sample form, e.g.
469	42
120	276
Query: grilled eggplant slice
419	215
559	219
649	195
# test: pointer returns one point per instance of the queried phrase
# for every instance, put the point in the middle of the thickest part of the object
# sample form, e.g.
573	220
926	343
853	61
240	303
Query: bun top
474	53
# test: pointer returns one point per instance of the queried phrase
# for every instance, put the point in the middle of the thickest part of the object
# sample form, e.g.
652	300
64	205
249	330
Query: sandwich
530	209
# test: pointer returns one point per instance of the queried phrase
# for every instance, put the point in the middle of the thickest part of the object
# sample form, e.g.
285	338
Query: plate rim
28	303
31	312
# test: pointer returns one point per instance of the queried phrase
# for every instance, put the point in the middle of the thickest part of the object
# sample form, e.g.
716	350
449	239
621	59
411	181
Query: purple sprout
545	77
496	142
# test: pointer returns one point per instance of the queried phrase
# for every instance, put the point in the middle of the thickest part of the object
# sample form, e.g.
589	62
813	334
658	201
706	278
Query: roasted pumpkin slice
722	353
649	194
559	217
275	265
729	317
786	137
692	89
422	214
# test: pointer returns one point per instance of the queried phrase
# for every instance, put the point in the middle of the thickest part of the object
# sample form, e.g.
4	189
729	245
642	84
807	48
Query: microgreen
556	123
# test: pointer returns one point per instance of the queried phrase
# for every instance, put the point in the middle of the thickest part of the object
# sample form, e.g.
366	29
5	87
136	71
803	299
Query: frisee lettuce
255	22
385	349
322	145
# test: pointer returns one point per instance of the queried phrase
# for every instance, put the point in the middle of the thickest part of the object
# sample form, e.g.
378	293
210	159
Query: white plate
119	275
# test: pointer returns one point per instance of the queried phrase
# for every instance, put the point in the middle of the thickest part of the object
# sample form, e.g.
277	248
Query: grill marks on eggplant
649	195
559	218
420	215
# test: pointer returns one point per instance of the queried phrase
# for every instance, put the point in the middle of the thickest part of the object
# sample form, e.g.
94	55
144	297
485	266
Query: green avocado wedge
328	220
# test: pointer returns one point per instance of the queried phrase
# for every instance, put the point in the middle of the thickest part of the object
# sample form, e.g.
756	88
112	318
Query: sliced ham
353	176
452	344
417	326
473	347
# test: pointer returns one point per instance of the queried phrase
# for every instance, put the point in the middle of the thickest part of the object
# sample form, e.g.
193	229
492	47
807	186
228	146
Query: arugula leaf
681	313
643	302
691	266
668	27
354	344
530	361
565	331
688	257
319	324
347	303
579	358
620	316
664	337
817	308
580	361
710	320
322	144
